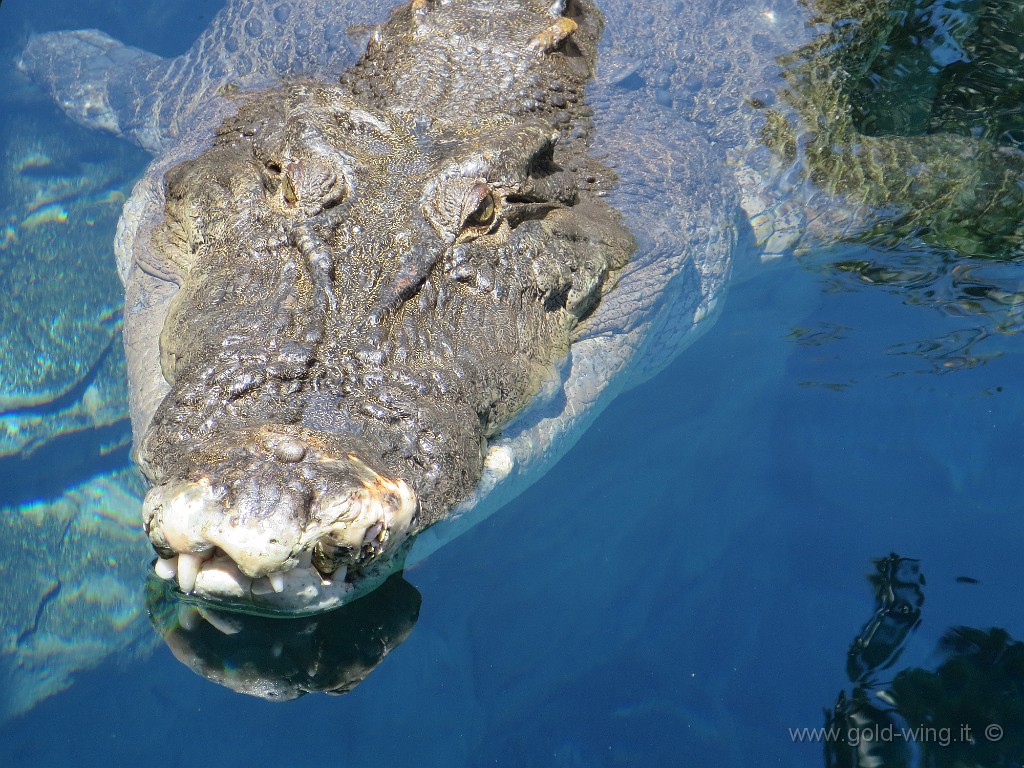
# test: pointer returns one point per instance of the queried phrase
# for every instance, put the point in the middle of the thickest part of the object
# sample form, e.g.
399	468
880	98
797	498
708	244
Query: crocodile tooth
262	586
329	578
373	532
189	564
166	567
276	581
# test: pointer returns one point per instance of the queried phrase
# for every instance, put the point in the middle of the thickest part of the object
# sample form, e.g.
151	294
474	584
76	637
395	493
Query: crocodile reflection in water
300	417
279	660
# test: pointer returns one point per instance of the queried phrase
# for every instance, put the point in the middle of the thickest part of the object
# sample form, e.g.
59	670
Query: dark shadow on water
77	392
63	462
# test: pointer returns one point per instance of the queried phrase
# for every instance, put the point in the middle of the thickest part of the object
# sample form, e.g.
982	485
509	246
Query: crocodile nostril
286	449
289	451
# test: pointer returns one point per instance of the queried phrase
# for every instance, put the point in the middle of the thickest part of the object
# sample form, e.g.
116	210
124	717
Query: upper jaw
296	528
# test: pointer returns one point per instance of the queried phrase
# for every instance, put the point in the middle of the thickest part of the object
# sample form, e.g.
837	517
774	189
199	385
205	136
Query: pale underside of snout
286	558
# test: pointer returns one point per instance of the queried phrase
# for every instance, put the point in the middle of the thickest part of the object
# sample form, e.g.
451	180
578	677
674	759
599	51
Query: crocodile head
365	299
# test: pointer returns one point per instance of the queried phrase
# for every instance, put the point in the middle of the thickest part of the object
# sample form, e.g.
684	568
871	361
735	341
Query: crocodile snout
281	521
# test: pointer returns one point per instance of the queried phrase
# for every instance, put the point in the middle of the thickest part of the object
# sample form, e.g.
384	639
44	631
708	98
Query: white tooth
373	532
499	462
220	577
167	568
188	569
276	581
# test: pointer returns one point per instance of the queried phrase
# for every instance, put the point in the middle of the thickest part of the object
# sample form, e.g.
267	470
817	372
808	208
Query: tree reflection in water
967	711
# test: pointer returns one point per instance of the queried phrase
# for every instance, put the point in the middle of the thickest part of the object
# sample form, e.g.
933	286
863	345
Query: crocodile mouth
301	590
296	532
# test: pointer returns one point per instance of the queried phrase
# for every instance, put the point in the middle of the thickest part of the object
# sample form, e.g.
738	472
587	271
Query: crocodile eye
484	213
480	206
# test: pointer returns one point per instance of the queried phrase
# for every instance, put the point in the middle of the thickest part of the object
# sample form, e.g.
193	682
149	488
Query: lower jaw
300	591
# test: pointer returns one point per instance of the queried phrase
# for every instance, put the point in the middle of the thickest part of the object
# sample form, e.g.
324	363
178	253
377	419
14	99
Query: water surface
682	589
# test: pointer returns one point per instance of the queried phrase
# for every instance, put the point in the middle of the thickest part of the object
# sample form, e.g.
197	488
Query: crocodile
367	296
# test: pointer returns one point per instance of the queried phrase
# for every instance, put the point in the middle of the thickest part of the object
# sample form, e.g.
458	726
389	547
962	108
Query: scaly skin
363	308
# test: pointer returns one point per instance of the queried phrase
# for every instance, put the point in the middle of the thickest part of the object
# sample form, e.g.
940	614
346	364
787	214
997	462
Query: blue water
683	588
